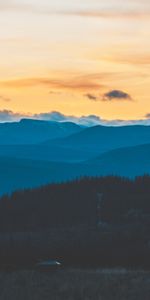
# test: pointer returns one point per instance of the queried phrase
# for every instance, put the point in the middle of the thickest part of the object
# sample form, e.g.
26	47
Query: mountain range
34	153
29	131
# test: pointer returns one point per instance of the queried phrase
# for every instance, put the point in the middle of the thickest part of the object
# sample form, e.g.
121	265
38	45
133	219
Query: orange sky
65	55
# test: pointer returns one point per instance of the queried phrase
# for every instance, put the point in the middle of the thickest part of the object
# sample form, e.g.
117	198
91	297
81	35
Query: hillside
63	221
75	203
130	161
31	159
76	284
29	131
23	173
102	138
47	152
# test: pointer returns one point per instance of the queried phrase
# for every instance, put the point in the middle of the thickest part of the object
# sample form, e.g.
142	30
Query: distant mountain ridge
129	162
29	131
23	173
76	144
104	138
34	153
43	152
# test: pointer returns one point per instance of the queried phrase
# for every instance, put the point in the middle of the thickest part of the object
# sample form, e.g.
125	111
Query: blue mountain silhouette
33	153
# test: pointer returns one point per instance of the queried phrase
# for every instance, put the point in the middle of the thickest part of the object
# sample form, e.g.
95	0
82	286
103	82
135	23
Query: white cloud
54	116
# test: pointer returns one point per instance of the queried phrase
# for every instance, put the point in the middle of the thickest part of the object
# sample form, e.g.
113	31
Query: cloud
10	116
88	121
147	116
7	4
109	13
109	96
116	95
5	99
132	59
55	116
91	97
111	10
54	93
81	83
14	5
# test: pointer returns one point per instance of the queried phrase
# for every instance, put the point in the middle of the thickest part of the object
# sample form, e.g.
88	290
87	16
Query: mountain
46	153
22	173
103	139
97	139
129	162
29	131
41	152
83	145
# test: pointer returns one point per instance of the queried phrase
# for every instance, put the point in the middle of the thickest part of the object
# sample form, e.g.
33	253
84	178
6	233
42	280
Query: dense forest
71	223
75	203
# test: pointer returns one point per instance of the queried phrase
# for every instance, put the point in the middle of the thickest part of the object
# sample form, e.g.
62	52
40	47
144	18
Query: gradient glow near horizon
67	55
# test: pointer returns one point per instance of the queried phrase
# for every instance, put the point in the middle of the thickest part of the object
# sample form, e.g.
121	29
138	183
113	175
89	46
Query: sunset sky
88	57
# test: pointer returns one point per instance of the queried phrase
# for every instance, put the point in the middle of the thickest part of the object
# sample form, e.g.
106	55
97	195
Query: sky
78	58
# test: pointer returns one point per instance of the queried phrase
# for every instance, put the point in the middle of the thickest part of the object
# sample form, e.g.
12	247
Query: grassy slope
75	285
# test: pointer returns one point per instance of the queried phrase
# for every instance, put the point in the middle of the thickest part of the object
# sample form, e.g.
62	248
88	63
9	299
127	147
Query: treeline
88	222
75	203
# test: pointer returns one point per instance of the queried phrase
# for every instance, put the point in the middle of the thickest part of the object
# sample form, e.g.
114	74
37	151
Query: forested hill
75	203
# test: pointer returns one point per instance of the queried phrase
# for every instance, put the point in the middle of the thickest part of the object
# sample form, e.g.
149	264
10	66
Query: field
75	284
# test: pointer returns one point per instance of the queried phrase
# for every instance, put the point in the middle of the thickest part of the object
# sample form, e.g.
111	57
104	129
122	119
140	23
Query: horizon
86	121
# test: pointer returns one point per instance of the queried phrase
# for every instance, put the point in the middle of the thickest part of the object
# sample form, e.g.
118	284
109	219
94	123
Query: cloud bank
10	116
55	116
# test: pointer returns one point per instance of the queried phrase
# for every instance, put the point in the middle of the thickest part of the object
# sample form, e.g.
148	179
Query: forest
62	221
75	203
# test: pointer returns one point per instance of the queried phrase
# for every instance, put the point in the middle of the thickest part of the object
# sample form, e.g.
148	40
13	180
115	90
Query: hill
29	131
76	284
130	161
23	173
47	152
102	138
63	221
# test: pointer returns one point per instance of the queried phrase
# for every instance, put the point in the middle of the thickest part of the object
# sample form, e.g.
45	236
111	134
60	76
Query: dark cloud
91	97
147	116
116	95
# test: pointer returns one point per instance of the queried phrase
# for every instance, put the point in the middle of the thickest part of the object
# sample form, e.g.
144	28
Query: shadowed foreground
75	285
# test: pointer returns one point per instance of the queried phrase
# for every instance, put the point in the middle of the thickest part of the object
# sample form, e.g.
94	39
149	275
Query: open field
75	284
